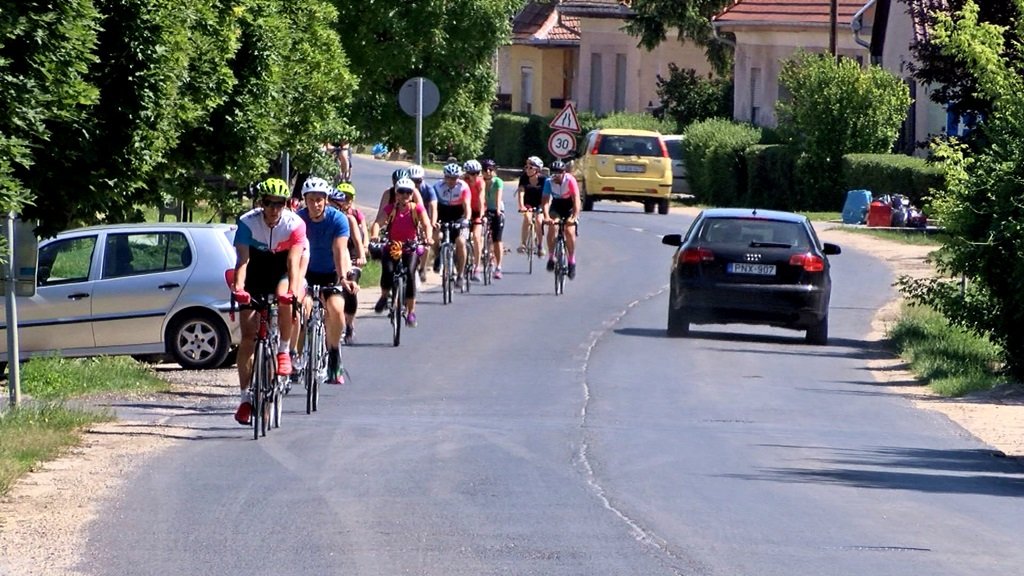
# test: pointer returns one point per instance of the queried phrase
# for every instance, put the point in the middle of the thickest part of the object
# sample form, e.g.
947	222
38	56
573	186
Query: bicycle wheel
398	303
318	368
467	270
256	388
312	364
486	262
448	273
559	266
531	246
397	307
278	407
269	385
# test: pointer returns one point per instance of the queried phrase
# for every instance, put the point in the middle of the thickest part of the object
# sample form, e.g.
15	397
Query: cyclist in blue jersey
329	262
268	244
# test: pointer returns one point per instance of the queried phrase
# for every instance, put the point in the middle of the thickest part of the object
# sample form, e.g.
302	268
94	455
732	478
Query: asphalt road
516	432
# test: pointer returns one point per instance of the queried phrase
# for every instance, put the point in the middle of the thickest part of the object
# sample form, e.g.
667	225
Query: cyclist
388	197
453	206
471	174
402	222
269	244
417	175
328	231
529	196
561	198
493	188
342	199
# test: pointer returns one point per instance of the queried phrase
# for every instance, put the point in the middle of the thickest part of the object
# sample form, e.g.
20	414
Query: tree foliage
952	84
652	20
688	98
980	206
450	43
836	108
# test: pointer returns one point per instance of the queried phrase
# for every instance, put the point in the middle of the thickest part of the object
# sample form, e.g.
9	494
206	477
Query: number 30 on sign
561	143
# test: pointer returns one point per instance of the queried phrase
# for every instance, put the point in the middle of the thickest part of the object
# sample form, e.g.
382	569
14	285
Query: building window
596	82
620	82
755	89
526	90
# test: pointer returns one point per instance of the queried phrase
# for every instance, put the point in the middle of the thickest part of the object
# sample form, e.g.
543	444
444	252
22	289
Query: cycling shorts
564	207
497	225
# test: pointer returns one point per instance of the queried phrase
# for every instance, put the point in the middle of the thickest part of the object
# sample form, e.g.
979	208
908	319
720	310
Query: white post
13	358
419	120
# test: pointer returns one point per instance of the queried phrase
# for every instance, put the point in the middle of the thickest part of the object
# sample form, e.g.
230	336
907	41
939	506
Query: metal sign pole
419	120
13	358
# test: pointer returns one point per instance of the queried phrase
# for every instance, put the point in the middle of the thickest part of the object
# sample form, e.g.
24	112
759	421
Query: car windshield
751	231
675	149
629	146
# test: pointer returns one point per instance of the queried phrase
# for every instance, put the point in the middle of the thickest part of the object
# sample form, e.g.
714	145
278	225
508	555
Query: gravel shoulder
44	517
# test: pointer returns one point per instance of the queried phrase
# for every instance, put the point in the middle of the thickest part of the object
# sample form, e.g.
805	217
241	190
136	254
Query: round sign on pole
561	143
409	93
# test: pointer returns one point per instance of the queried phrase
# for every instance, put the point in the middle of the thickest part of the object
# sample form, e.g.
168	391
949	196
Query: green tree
836	108
450	43
652	20
688	98
46	49
980	207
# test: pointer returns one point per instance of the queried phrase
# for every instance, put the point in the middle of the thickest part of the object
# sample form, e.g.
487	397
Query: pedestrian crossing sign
566	119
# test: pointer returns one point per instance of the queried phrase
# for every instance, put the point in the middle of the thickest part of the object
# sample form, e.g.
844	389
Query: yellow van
624	166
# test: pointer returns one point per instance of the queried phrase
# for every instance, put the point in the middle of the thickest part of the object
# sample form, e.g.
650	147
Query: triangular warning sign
566	119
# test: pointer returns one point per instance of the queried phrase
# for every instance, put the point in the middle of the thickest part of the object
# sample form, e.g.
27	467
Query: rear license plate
744	268
629	168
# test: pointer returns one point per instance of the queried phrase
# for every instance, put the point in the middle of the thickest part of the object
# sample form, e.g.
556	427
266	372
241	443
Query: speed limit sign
561	143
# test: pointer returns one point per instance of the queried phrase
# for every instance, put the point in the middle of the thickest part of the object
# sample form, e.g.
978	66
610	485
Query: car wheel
198	340
663	205
230	359
678	325
588	202
818	334
648	206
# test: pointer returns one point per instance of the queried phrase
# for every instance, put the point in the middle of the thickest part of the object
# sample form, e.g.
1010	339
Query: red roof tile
788	11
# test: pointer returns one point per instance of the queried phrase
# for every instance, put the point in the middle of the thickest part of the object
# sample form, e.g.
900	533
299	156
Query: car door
58	317
143	274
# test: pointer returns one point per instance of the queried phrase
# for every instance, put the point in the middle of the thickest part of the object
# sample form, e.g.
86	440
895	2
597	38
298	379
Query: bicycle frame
315	350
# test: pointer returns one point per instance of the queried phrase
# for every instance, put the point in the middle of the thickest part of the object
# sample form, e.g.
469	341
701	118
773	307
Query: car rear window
629	145
675	149
748	230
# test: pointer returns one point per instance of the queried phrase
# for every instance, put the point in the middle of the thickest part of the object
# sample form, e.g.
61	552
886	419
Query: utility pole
833	29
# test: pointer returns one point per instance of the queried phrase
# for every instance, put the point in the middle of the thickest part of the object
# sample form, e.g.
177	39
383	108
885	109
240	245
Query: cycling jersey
451	195
254	232
532	192
566	190
402	226
491	192
321	235
476	195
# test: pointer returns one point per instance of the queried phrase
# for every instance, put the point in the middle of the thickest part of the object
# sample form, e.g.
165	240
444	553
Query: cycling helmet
314	184
347	188
557	166
535	162
488	163
399	174
452	170
416	172
337	196
274	187
472	167
405	184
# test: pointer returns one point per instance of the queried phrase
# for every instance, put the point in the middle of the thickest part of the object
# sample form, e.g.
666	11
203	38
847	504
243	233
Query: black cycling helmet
488	164
557	166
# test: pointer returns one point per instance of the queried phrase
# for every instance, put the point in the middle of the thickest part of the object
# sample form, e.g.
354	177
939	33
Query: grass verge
48	422
950	360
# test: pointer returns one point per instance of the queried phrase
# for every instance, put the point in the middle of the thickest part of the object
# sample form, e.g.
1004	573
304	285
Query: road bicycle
560	254
486	256
447	255
266	388
467	270
315	347
531	237
399	288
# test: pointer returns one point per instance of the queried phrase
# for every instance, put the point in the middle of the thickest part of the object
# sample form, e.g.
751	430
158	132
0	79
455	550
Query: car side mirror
672	239
831	249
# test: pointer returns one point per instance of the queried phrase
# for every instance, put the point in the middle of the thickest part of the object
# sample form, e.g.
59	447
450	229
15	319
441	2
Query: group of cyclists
281	251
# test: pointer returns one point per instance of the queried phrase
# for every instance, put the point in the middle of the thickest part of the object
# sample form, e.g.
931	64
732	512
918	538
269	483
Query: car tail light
664	149
809	262
696	256
597	144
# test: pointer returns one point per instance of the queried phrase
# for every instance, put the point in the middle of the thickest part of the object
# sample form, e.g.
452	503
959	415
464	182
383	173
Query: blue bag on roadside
855	210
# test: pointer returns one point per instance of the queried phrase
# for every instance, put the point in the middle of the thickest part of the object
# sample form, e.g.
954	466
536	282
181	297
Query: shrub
770	177
714	151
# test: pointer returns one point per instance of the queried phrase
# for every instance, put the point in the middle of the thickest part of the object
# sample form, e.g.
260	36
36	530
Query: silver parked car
674	145
138	289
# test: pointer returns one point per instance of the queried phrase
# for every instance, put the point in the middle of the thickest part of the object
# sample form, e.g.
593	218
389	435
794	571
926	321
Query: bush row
730	164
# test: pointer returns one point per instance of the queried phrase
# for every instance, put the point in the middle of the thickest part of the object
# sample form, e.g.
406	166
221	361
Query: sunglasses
274	203
405	191
472	173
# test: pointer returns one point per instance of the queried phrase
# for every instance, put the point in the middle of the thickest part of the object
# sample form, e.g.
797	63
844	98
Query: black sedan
744	266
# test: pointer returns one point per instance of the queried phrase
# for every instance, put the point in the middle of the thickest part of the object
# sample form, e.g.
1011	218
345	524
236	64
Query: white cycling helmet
416	172
452	169
535	161
405	184
314	184
472	166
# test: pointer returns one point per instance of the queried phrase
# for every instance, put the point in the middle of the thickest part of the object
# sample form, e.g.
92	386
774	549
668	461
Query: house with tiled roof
769	32
577	50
